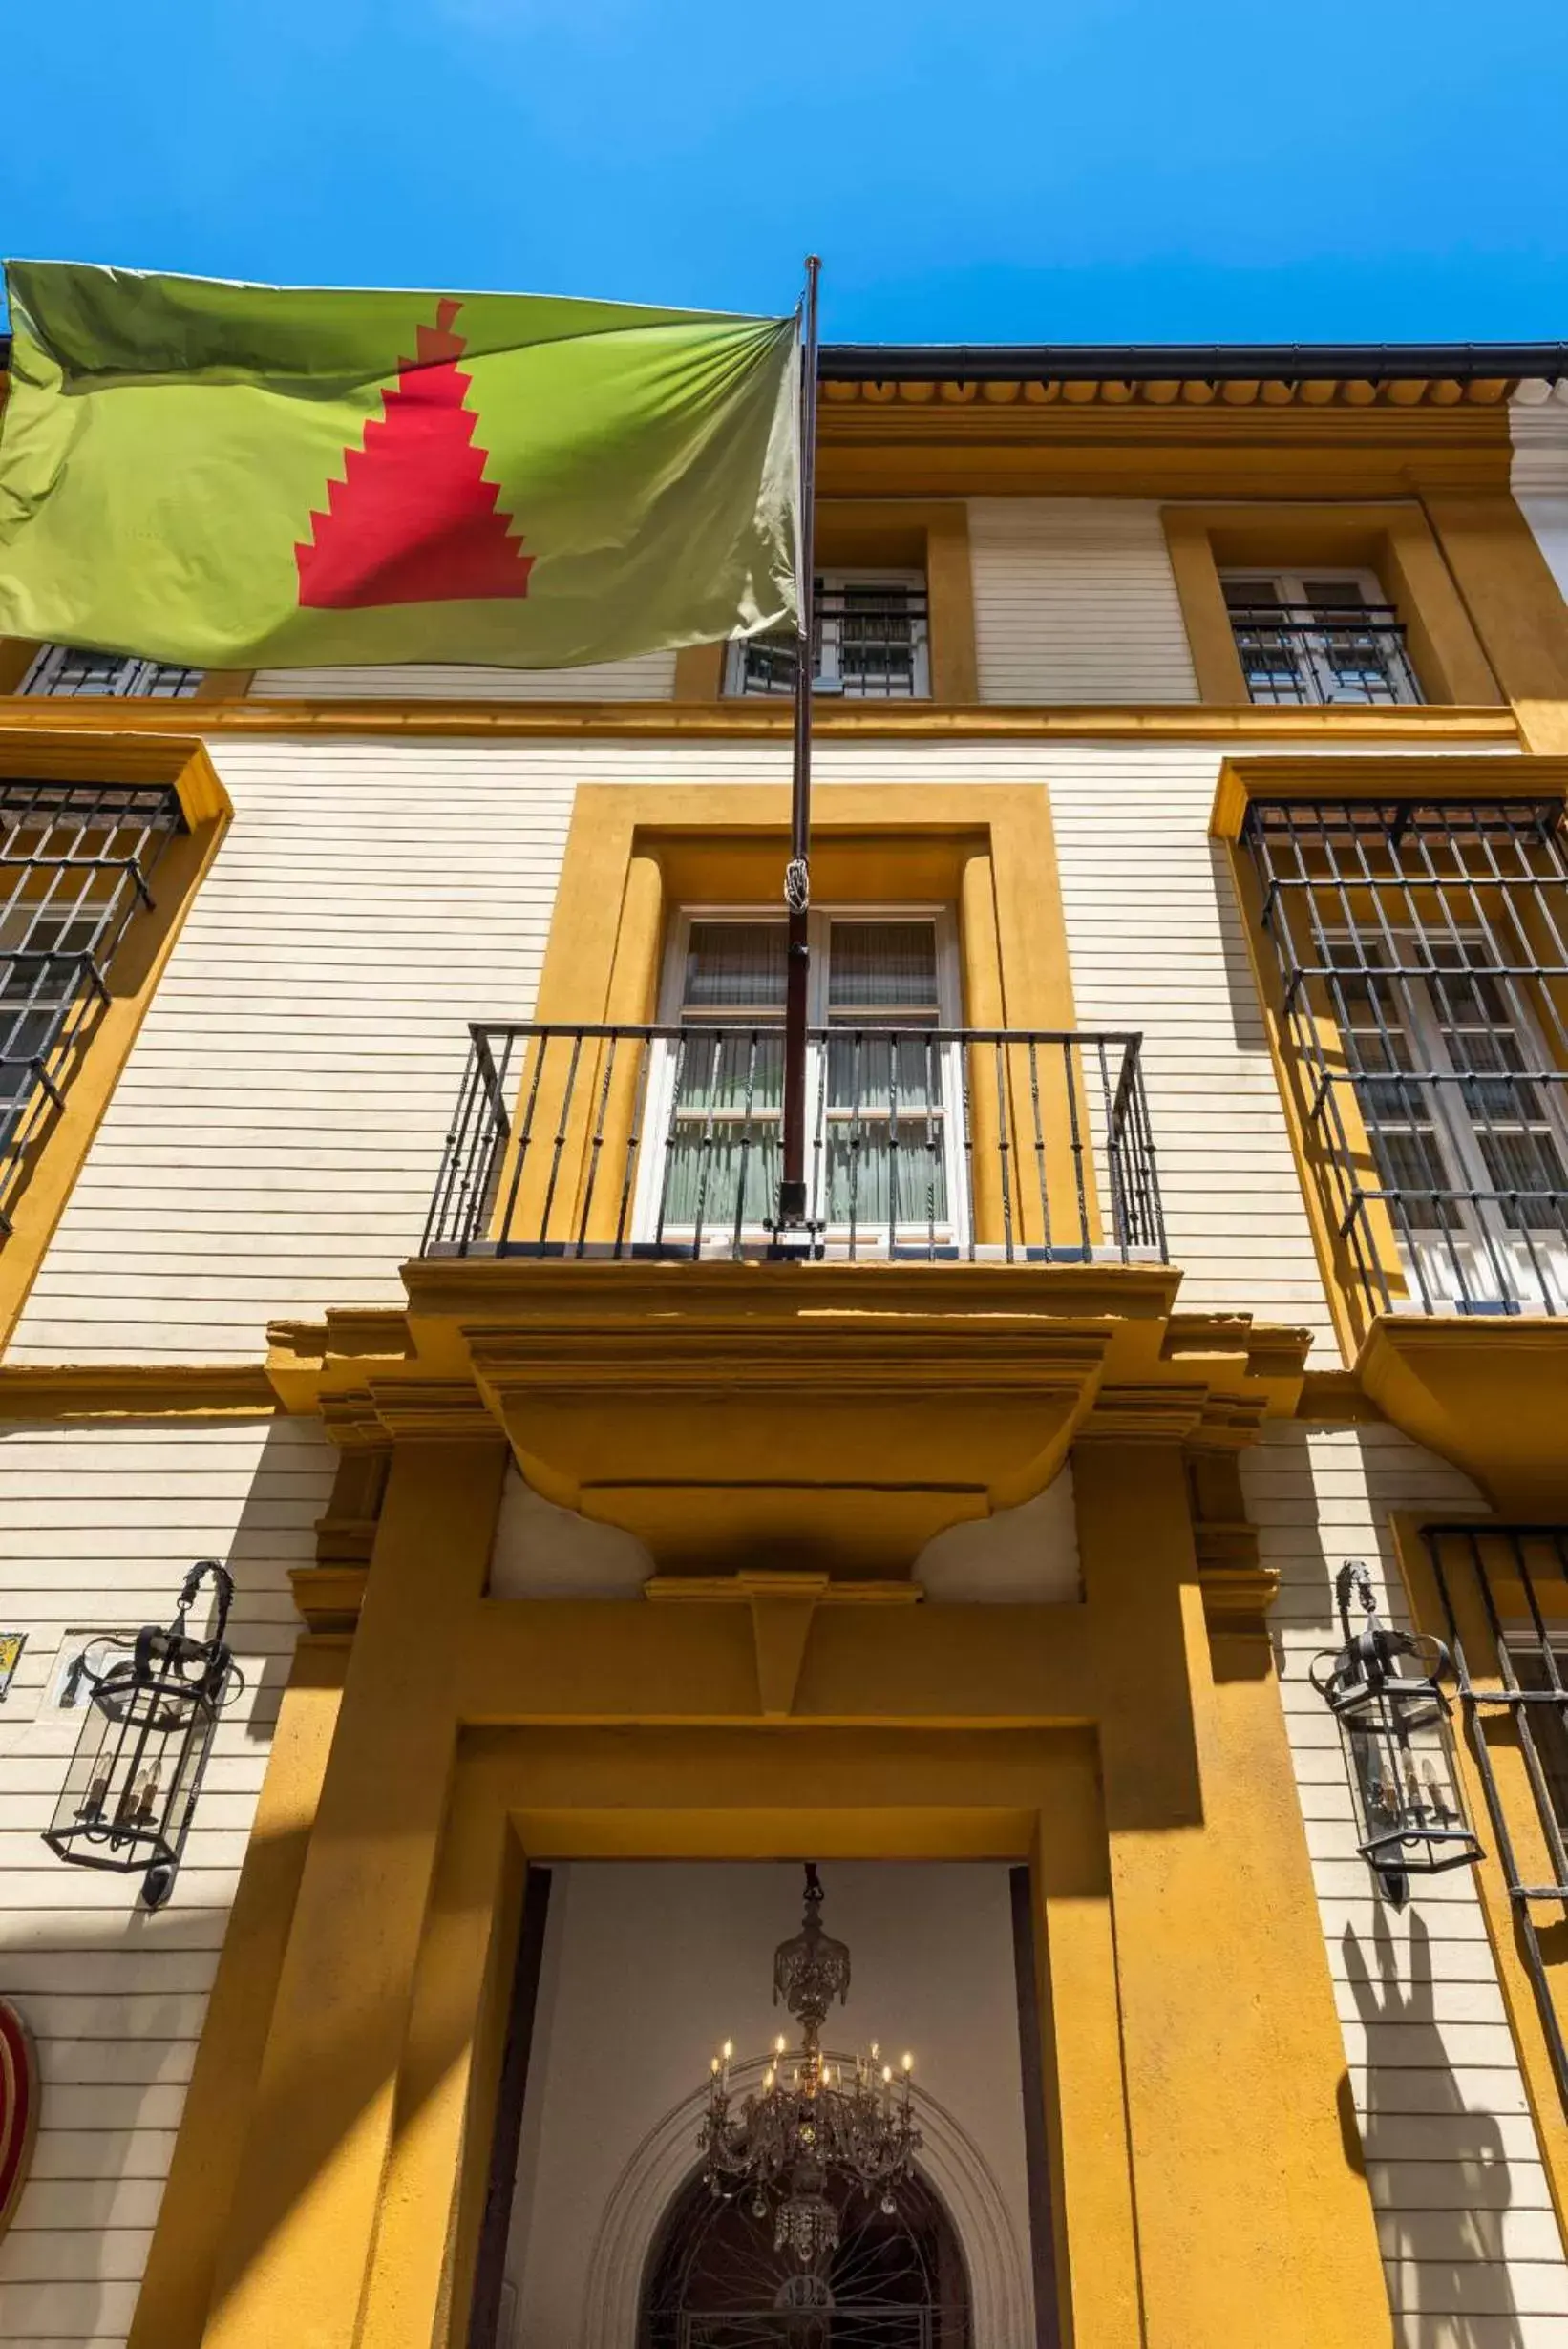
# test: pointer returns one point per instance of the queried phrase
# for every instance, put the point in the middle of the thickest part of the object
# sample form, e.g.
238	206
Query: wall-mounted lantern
1384	1689
139	1758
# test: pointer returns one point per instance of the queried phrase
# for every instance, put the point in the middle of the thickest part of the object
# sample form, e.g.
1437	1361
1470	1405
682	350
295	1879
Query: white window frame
952	1232
127	677
1290	590
829	678
1485	1238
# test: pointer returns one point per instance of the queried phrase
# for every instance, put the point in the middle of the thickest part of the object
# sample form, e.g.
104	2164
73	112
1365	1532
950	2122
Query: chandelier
811	2122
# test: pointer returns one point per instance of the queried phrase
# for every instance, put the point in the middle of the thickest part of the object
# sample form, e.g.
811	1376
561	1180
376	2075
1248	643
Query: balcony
1314	654
924	1144
988	1276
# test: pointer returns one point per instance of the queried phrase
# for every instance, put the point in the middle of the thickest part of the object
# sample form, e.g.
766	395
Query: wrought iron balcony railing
1298	654
924	1143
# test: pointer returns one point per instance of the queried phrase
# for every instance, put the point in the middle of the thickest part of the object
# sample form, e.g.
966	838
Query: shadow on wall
1448	2272
113	1994
1246	1011
1450	2153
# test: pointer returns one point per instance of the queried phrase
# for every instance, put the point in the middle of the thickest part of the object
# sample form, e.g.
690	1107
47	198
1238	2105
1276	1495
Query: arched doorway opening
895	2281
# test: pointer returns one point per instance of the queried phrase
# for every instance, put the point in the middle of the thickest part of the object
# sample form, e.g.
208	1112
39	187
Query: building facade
388	1134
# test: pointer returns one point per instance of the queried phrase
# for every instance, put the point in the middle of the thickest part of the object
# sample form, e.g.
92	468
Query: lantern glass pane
137	1766
1404	1779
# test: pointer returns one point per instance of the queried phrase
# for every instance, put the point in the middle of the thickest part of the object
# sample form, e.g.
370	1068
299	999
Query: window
871	642
881	1075
1320	636
1424	952
1502	1592
62	669
76	862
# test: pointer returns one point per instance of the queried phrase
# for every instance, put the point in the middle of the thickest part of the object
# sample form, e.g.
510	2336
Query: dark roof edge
1180	362
1176	362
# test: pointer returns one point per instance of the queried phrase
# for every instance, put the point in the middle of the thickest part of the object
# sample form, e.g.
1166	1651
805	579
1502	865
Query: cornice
1530	776
31	727
1313	393
136	1391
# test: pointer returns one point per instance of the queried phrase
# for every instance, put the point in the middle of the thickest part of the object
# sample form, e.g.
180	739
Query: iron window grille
76	864
1504	1590
1423	951
870	638
1319	640
67	670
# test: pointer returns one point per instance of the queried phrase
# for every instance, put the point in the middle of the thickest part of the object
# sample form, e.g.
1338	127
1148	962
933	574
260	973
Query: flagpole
794	1229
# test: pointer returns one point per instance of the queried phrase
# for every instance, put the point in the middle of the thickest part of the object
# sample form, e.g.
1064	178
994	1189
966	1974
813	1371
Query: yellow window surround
1395	541
54	1156
930	536
1474	1581
1342	1184
636	855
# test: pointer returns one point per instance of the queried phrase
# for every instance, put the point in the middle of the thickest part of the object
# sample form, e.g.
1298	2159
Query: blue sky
1073	170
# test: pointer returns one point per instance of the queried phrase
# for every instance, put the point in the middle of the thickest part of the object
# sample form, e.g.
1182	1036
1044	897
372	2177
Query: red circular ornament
18	2109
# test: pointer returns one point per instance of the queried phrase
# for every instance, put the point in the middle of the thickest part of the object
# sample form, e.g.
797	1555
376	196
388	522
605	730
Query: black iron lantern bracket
1393	1723
142	1752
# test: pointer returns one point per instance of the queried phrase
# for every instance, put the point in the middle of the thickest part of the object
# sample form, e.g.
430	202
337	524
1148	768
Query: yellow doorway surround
1130	1748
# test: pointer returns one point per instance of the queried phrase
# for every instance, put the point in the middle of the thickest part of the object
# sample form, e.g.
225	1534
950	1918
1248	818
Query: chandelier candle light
812	2121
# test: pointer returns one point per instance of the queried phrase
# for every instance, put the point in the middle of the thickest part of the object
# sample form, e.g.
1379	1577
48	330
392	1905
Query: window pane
1339	595
705	1170
882	1074
873	965
736	966
1245	593
1547	1726
864	1164
733	1069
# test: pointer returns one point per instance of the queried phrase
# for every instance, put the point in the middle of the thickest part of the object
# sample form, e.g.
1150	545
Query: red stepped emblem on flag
413	521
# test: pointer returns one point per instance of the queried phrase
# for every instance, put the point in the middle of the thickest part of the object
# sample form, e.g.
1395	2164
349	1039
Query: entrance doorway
894	2280
647	1969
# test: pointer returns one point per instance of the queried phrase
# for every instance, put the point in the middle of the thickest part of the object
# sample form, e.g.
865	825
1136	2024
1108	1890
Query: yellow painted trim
1210	639
316	2133
1453	781
1394	540
1489	1396
699	673
722	840
1188	446
1429	1614
17	654
1204	1823
136	1391
1166	1849
742	719
61	1151
962	401
1514	606
634	853
171	2309
1450	780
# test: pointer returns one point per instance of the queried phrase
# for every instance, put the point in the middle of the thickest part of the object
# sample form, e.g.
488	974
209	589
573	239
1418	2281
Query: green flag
224	476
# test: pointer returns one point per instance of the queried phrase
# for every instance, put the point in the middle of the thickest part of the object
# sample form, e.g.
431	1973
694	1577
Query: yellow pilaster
293	2263
177	2286
1254	2222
